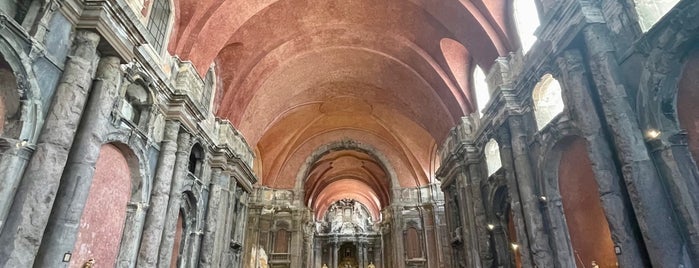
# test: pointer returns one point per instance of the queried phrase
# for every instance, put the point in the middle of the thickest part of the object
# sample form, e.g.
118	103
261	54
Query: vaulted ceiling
296	75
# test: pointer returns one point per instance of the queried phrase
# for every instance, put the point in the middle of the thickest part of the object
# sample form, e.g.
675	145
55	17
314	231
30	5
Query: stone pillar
229	225
361	254
155	217
654	213
62	229
472	186
334	259
515	202
173	209
29	214
583	112
681	176
12	164
210	249
130	238
531	210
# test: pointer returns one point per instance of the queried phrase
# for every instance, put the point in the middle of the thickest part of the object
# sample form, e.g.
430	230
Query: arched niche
526	18
105	213
651	11
547	99
492	156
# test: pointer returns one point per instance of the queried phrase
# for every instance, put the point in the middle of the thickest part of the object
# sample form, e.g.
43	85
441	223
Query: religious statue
371	265
325	265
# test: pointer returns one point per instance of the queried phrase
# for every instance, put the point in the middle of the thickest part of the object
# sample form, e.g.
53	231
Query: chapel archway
587	224
104	217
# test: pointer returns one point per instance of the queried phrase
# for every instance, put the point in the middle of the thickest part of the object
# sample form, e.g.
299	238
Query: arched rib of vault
398	87
229	17
406	140
337	191
362	168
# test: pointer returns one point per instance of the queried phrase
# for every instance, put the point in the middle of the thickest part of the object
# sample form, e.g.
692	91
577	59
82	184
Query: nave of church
349	134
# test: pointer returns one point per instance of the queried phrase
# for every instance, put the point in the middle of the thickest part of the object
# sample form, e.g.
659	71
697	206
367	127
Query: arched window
527	20
158	22
547	100
412	243
196	158
492	156
480	87
651	11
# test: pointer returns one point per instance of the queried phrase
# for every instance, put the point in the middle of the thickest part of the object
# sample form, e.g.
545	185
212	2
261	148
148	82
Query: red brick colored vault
295	75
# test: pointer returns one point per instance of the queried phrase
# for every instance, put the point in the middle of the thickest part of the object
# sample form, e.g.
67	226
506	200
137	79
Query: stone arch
186	230
526	18
570	195
29	117
100	233
500	225
343	145
547	100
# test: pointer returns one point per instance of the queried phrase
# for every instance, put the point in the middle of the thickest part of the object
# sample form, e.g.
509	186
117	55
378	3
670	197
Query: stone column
62	229
179	176
29	214
334	251
130	238
531	210
229	225
12	164
515	201
361	254
677	168
210	247
654	213
155	217
583	112
474	169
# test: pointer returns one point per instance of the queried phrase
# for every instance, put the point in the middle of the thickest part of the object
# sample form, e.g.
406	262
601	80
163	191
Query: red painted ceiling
295	75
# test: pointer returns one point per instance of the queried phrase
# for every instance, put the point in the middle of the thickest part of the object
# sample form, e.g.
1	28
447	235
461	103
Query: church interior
349	134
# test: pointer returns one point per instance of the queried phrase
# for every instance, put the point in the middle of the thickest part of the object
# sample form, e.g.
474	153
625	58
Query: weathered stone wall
63	214
596	50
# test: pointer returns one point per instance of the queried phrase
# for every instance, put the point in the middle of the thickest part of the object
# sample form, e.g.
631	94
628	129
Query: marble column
22	233
62	230
584	114
155	217
173	209
654	212
211	243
